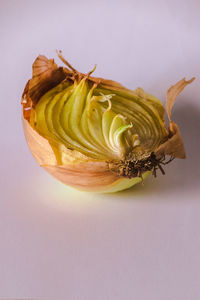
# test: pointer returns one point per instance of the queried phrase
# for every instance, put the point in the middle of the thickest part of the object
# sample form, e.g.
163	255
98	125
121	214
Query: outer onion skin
77	169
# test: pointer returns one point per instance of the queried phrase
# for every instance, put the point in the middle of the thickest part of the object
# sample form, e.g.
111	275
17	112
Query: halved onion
94	134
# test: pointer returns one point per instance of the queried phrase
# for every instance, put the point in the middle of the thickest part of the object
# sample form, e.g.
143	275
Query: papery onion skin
140	139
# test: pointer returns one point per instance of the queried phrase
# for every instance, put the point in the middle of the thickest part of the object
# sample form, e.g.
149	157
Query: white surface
60	244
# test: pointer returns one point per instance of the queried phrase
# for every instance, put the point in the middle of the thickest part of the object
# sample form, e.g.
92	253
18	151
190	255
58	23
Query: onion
94	134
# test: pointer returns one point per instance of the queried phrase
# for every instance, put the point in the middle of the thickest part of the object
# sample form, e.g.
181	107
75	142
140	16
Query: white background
57	243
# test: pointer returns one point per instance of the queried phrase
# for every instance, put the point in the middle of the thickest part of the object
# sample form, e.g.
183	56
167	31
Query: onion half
94	134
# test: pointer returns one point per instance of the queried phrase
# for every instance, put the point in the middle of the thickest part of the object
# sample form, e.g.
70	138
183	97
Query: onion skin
77	170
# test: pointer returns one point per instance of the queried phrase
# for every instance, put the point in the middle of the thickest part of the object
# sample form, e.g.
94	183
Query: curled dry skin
94	134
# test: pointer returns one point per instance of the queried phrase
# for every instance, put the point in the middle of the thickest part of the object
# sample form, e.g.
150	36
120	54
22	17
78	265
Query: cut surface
98	123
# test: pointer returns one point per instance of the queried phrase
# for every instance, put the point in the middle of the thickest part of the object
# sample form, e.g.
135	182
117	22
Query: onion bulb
94	134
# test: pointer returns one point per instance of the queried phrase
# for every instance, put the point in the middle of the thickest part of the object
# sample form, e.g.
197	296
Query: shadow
181	175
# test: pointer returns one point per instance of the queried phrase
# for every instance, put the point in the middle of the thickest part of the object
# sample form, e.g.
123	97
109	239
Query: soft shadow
180	174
